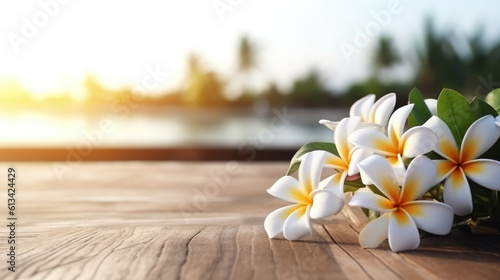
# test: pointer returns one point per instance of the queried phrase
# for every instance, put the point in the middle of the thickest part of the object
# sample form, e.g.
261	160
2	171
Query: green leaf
493	98
351	186
420	113
309	147
454	109
482	108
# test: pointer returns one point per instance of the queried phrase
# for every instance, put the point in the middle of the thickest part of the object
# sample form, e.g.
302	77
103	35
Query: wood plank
262	258
204	220
187	252
244	262
106	252
458	255
347	238
397	264
350	267
309	258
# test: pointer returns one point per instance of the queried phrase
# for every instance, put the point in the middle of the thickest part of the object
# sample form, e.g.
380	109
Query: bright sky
52	47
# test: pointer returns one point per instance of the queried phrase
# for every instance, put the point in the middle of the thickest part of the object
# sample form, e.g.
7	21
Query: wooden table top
202	220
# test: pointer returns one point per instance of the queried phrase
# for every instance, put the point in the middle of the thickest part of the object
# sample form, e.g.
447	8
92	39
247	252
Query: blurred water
166	128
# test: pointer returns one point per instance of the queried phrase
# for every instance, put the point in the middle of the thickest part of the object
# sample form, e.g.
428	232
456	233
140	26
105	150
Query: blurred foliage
246	55
204	87
386	54
309	91
441	60
470	65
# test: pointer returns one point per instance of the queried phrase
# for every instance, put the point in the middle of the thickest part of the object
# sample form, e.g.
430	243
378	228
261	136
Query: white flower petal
420	177
431	216
344	129
444	168
372	201
273	224
377	169
375	232
457	194
310	169
382	109
361	108
479	138
353	125
485	172
373	140
397	123
289	189
331	125
403	233
365	180
297	225
447	147
417	140
371	126
335	184
334	162
432	104
325	203
398	166
357	155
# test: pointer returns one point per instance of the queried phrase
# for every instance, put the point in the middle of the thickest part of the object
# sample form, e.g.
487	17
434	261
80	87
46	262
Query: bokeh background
222	79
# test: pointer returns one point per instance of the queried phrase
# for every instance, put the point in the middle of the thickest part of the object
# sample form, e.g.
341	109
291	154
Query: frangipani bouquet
428	165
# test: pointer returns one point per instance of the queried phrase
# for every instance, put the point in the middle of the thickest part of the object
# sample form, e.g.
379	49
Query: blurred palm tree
386	55
468	64
204	87
309	90
247	61
385	58
194	64
461	63
483	73
96	93
439	63
193	89
247	53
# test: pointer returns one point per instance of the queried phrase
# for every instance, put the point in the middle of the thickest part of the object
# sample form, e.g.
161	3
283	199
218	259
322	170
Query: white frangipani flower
461	163
346	163
397	145
432	104
371	112
401	213
312	199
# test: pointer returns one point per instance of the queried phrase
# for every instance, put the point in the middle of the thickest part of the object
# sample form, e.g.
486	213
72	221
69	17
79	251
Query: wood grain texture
203	220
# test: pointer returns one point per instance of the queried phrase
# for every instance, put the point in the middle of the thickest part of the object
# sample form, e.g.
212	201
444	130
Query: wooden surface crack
347	252
109	253
274	258
183	263
157	260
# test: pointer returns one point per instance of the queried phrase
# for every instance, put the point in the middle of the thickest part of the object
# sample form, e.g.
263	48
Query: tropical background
224	79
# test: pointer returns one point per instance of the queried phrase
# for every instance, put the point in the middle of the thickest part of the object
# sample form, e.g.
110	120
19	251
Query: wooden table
202	220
